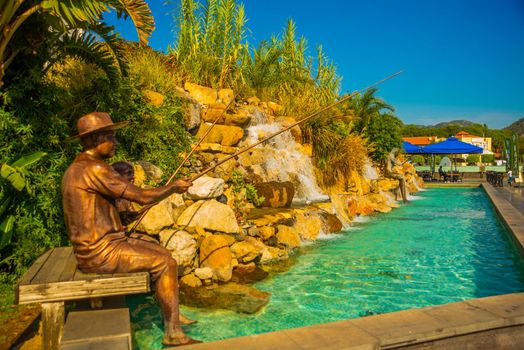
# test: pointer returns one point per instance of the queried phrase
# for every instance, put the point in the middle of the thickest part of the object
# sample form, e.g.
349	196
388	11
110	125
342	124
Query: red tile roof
420	140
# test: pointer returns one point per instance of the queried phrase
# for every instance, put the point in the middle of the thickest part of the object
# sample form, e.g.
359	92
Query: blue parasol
410	148
452	146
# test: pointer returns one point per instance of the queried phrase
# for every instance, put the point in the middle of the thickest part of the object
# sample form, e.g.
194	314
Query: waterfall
281	159
370	172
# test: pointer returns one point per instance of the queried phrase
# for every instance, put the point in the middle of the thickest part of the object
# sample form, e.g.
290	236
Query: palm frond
84	45
75	11
140	14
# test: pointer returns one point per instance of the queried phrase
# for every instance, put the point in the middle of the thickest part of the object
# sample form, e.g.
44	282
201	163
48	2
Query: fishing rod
272	136
146	208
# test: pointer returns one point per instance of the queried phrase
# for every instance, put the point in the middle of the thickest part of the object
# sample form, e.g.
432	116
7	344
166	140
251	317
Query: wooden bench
54	278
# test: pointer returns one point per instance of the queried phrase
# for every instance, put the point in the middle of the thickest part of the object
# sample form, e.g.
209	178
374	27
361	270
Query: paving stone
267	341
333	336
462	318
508	306
401	328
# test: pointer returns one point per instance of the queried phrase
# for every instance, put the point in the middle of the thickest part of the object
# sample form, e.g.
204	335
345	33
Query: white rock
211	216
206	187
182	246
162	215
204	273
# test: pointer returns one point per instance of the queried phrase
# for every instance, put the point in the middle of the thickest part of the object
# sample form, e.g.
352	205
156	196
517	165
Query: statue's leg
136	255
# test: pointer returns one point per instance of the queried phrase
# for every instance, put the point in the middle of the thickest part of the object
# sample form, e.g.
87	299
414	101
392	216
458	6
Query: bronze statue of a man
89	189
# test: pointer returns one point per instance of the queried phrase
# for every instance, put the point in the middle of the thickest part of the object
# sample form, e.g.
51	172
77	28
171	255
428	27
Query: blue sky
462	59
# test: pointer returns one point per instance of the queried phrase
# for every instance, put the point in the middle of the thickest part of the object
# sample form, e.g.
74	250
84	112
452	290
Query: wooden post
53	316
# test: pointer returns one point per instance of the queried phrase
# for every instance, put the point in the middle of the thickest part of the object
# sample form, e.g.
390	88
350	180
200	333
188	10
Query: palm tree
75	26
364	107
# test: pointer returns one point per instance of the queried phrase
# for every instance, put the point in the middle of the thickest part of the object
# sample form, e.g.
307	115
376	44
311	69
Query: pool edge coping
406	327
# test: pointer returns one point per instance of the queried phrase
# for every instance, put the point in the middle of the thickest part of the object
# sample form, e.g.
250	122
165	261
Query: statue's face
106	144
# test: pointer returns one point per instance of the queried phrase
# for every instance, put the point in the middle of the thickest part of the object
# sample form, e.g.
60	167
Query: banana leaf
14	176
28	159
6	231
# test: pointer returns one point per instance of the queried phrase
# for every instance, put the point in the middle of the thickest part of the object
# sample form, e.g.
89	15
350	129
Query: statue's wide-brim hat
95	122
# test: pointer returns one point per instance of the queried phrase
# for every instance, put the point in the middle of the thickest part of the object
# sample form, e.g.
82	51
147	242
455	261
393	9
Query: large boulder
240	120
231	296
273	254
288	237
163	215
153	98
266	232
248	273
192	116
206	187
153	173
308	226
226	96
330	222
276	194
216	148
202	94
182	246
209	215
216	254
204	273
190	281
245	251
223	134
214	112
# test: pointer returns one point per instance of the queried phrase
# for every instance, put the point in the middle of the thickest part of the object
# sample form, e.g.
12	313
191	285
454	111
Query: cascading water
282	159
370	172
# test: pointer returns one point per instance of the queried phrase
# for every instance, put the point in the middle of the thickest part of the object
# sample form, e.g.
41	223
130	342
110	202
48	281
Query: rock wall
211	241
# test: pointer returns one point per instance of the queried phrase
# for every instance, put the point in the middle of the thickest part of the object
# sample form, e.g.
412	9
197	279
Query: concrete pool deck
486	323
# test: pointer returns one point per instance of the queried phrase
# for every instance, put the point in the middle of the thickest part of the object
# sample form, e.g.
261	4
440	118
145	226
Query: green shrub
488	158
418	159
472	159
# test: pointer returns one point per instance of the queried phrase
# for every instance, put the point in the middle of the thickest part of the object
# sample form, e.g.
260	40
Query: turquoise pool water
445	246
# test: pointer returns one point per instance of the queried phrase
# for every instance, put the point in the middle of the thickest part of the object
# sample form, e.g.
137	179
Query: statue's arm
150	195
108	182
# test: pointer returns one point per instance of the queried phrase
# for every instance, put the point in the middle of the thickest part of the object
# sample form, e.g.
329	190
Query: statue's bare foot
179	339
186	321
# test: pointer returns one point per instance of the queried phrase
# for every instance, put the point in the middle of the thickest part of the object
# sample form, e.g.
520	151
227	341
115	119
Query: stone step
97	329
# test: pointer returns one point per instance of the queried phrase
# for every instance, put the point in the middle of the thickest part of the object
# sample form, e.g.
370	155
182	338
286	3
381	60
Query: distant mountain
462	123
517	127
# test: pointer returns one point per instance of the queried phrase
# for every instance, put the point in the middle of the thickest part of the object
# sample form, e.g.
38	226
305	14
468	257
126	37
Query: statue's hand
182	186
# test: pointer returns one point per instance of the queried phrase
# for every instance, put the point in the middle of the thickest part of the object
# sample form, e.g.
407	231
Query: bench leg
53	315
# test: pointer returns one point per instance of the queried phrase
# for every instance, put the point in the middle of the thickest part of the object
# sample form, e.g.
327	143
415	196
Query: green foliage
418	159
240	185
472	159
69	27
210	42
245	196
14	174
384	132
488	158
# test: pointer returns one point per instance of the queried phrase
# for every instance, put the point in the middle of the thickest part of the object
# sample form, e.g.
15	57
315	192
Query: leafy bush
418	159
472	159
488	158
245	195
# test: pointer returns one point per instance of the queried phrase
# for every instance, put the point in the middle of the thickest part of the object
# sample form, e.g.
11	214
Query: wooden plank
53	315
70	268
53	267
33	270
98	287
